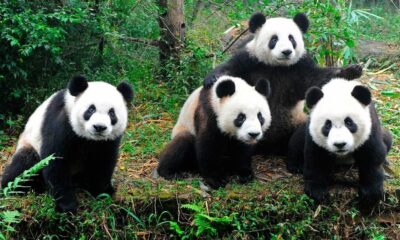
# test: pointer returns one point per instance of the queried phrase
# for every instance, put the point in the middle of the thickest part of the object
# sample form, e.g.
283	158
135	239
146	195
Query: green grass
385	29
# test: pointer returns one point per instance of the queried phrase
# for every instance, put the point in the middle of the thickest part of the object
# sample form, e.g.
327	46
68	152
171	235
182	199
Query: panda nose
287	52
340	145
99	128
254	134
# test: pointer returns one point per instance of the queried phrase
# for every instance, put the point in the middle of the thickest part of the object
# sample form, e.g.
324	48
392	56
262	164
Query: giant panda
82	126
277	53
343	128
217	130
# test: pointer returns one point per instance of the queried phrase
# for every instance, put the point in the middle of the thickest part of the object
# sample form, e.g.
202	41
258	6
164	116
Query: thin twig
148	42
235	40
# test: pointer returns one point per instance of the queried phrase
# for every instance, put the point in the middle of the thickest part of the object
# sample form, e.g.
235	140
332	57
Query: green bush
32	43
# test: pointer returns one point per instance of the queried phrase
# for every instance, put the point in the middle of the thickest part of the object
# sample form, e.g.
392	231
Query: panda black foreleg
295	157
241	162
209	160
99	168
178	156
318	166
370	159
59	182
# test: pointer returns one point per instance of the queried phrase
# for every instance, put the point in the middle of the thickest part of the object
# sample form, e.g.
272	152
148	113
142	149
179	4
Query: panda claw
246	179
294	168
66	207
368	199
215	183
318	193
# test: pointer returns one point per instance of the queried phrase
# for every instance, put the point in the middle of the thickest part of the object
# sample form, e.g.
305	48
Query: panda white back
32	136
185	120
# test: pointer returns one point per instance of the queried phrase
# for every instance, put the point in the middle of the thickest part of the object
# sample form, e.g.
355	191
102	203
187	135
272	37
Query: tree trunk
172	30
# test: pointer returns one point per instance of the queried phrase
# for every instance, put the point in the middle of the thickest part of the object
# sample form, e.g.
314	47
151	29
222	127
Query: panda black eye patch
273	41
239	120
89	112
350	124
260	118
327	128
291	39
113	117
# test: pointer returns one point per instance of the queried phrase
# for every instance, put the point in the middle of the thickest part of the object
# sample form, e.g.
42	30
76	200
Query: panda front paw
294	168
317	192
351	71
216	182
168	174
209	81
369	198
66	205
246	178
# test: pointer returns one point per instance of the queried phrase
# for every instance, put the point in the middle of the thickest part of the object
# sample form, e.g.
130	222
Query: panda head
340	120
241	110
97	110
277	41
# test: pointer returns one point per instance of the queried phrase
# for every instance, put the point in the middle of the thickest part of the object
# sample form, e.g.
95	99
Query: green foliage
205	224
7	219
32	40
12	187
333	35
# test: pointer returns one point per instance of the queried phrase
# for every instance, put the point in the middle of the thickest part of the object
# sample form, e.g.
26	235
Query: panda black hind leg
295	157
179	156
23	159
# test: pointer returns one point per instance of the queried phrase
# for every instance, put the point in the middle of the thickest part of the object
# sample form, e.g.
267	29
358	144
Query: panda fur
82	126
217	130
343	125
277	53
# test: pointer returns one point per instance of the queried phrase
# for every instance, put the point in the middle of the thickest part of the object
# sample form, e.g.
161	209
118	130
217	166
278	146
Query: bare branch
148	42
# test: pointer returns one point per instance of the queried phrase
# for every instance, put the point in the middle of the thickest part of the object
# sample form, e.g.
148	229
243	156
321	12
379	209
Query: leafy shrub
32	41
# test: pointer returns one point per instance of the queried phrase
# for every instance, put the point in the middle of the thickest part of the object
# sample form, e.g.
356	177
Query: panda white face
278	42
98	113
242	111
339	122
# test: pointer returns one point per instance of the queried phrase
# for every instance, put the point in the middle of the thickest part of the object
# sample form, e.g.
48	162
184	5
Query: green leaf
391	93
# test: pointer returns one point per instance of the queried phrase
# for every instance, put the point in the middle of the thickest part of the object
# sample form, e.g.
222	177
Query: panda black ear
362	94
126	90
313	95
302	22
256	21
77	85
225	88
263	87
